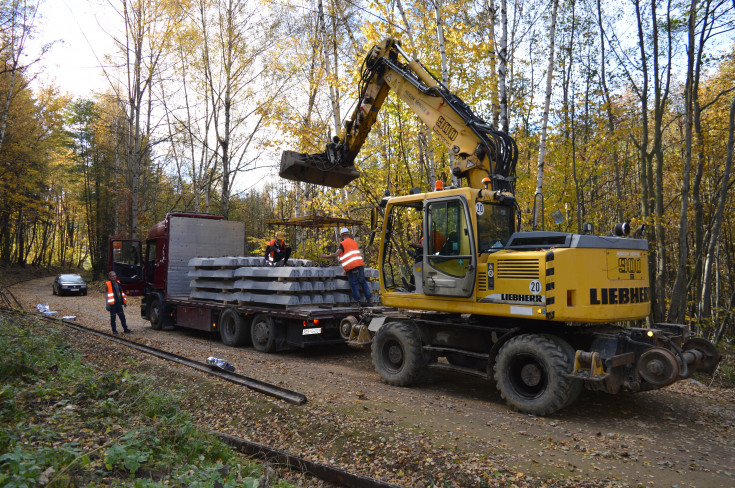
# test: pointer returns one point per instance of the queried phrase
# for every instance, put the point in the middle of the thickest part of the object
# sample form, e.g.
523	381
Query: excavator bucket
315	168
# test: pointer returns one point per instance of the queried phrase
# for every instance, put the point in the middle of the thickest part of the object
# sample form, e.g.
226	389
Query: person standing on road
116	300
353	266
277	250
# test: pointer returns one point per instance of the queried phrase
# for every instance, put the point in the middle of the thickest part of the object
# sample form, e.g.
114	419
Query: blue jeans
357	279
117	310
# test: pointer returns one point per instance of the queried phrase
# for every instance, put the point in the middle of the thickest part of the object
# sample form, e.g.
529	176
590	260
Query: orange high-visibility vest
111	294
351	257
280	248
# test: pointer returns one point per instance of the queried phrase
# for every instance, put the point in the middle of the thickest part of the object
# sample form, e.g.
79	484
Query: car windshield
71	278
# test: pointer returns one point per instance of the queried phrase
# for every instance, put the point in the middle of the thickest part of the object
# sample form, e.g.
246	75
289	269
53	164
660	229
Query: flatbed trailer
158	269
267	329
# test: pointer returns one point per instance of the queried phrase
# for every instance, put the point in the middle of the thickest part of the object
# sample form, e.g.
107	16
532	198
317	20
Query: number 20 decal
534	287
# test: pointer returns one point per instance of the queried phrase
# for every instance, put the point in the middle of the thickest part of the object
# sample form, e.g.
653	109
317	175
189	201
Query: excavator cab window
495	225
402	227
449	250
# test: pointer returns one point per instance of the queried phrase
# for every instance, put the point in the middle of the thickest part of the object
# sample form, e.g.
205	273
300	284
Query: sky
80	33
79	44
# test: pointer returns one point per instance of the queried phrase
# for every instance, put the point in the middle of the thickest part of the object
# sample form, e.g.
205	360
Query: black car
70	283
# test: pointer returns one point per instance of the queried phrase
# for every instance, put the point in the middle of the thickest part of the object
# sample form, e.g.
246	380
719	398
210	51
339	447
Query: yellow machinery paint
555	284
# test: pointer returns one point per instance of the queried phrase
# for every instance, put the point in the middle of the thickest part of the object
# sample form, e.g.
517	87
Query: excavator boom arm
480	151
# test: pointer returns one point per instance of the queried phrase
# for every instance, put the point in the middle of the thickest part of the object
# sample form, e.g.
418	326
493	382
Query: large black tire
155	312
529	372
577	385
263	333
233	328
397	354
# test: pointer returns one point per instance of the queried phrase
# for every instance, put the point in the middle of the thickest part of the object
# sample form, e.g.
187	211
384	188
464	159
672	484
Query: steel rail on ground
326	472
285	394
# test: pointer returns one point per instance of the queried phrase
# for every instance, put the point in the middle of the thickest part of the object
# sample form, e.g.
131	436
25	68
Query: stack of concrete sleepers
342	284
244	280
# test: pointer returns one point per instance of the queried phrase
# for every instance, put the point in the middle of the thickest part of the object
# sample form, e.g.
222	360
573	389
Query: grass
63	423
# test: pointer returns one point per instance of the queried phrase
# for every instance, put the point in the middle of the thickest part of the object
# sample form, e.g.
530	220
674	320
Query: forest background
622	112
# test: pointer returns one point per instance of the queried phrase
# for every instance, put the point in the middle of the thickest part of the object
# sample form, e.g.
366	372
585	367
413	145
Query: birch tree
538	196
147	29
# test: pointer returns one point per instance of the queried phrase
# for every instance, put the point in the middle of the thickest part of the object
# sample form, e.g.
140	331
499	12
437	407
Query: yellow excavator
544	314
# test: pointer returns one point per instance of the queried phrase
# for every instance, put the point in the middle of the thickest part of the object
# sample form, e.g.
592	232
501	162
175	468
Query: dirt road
453	430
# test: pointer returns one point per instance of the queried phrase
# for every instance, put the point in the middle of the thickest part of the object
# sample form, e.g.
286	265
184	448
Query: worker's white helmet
344	230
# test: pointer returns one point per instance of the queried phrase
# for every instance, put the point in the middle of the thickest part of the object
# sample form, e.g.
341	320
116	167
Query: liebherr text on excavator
544	314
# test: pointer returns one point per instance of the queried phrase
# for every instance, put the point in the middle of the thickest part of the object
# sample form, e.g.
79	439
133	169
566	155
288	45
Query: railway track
325	472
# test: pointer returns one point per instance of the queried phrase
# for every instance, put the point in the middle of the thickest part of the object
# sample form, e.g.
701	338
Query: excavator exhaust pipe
316	169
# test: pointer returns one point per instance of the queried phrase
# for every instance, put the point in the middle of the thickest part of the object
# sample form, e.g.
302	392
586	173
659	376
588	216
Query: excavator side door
450	259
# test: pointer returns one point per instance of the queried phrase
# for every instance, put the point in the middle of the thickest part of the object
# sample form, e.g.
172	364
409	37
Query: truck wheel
263	333
529	374
397	354
155	312
233	329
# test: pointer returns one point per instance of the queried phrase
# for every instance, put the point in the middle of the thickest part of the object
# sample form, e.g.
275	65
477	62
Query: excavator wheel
397	354
577	385
529	372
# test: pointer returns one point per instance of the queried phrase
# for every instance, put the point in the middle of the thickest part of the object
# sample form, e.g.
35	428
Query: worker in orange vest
277	250
116	300
353	266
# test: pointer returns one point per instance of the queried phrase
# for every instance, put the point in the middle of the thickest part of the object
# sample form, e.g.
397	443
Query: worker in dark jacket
116	300
277	250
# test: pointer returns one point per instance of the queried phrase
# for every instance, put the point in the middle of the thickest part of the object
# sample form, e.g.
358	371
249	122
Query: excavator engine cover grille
315	168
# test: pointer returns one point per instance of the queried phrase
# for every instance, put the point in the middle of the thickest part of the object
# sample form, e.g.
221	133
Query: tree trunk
327	67
445	72
503	63
545	120
705	302
642	145
677	309
661	100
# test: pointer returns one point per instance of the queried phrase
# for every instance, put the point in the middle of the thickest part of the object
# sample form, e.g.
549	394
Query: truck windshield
494	226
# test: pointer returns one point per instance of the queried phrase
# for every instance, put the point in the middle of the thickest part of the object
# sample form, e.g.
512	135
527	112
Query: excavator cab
457	230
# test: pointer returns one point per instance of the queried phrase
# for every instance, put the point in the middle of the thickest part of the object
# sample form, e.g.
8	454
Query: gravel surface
453	430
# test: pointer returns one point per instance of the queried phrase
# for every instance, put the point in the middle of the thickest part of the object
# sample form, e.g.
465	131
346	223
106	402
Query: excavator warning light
438	186
649	333
486	182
